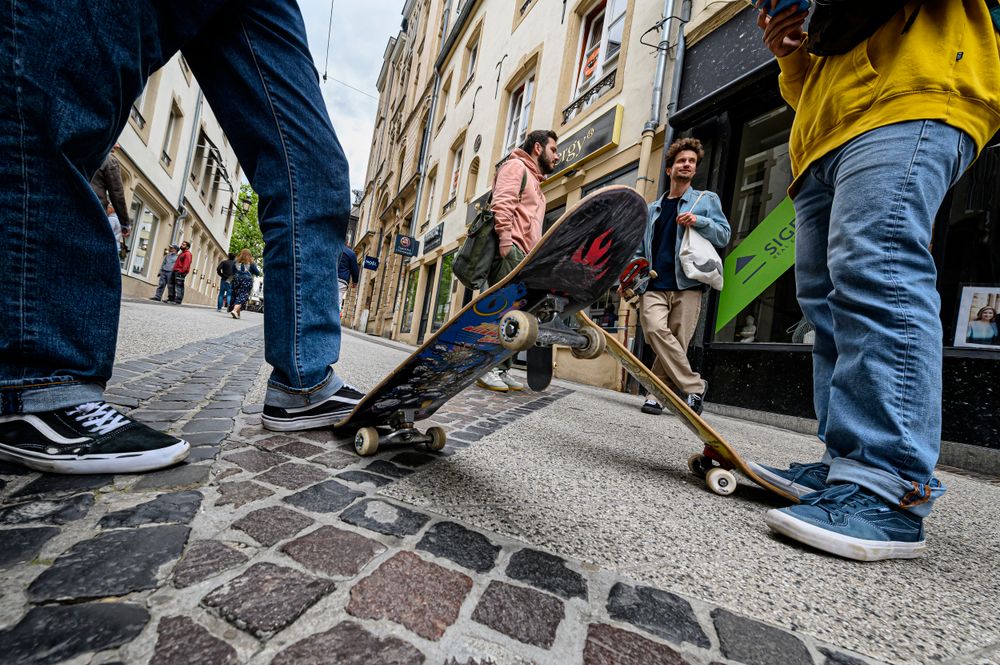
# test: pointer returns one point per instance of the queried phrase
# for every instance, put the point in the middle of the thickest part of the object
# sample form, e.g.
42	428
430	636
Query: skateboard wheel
697	466
366	441
595	344
518	330
438	438
721	481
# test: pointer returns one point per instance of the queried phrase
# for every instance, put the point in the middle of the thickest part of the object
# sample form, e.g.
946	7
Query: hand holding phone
781	5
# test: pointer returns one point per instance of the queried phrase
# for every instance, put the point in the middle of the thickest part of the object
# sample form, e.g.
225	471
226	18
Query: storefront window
762	179
409	301
139	257
442	303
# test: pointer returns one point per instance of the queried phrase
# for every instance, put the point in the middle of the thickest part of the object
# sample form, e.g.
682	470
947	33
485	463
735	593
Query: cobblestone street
284	549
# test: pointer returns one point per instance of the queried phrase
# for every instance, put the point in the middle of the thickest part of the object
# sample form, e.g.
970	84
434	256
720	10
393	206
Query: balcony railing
592	93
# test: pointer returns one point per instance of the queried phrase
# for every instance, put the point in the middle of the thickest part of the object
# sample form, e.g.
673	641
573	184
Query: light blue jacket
712	225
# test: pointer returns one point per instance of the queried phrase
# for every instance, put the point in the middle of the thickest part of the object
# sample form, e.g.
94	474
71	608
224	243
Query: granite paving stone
198	425
386	518
56	634
607	645
240	493
177	507
276	441
205	438
318	435
839	658
334	552
273	524
387	469
326	497
412	459
111	564
205	559
20	545
256	461
364	478
467	548
336	459
299	449
182	641
524	614
548	572
756	643
347	643
657	612
293	476
267	597
51	483
182	476
58	511
422	596
202	453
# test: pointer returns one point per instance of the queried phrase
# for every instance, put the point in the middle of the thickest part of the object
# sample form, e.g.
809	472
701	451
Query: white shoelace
98	417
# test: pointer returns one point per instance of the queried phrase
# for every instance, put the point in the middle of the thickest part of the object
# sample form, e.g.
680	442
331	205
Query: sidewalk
554	528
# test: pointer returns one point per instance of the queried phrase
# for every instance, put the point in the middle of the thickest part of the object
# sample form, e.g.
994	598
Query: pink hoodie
518	222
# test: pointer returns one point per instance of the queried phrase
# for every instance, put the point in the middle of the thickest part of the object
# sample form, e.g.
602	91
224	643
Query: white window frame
605	62
456	171
473	58
518	112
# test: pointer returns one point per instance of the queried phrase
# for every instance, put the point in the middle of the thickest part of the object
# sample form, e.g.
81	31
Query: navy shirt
347	269
665	248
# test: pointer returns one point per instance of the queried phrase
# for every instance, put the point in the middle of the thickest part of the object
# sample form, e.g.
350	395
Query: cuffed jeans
60	115
867	281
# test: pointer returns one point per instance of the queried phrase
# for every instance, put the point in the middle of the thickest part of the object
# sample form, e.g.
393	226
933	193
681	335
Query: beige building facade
181	180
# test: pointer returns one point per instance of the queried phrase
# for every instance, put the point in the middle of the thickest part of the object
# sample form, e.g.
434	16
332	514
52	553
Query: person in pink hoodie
519	208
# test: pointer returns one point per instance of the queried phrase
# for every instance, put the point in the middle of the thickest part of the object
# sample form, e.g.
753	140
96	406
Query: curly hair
245	257
689	143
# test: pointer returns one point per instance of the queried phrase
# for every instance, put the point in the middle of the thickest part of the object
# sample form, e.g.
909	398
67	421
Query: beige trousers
668	320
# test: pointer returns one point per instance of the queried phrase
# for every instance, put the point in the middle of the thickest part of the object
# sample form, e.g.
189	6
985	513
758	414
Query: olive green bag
475	257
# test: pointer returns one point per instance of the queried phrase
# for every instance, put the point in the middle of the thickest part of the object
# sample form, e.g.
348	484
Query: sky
360	33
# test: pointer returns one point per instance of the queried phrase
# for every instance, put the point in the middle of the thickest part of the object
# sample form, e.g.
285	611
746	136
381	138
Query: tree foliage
246	229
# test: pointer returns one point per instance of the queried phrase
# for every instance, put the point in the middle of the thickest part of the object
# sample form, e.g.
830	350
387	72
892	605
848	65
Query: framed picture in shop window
977	324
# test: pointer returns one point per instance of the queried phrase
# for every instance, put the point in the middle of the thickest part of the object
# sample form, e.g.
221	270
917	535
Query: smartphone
782	5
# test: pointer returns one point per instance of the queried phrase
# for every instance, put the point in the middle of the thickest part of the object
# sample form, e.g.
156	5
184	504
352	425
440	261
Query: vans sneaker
694	400
849	521
652	407
492	381
510	381
330	411
89	438
798	479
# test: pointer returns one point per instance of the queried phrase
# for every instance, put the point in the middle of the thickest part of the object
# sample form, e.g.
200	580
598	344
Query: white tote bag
698	257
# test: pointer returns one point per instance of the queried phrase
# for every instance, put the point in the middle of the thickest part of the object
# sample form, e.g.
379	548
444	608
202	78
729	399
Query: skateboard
574	263
719	459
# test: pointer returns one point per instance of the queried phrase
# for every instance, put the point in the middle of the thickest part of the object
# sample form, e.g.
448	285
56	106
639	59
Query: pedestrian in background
107	184
166	270
182	266
347	273
883	128
225	272
244	270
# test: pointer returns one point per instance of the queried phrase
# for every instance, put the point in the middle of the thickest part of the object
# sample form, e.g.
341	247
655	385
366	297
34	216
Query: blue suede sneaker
798	479
851	522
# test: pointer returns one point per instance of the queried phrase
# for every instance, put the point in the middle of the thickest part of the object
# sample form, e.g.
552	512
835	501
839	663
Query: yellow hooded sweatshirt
945	66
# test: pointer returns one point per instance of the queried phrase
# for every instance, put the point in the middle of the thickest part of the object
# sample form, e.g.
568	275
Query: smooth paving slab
592	478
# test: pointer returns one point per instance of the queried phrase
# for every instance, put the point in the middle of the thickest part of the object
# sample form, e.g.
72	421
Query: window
472	180
456	172
171	137
431	190
145	223
443	101
442	304
600	44
471	56
409	301
519	113
198	163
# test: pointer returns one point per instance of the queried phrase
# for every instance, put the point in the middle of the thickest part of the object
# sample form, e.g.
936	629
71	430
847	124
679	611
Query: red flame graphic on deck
597	254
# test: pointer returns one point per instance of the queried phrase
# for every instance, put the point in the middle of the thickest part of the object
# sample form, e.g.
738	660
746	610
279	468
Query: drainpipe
675	87
646	149
182	211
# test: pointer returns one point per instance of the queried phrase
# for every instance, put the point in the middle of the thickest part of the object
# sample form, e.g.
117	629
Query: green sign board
757	262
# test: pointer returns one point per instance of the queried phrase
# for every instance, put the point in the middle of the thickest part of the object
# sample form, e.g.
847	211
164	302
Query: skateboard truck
520	330
368	439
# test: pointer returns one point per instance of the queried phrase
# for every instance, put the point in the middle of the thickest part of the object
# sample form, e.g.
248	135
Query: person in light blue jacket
671	303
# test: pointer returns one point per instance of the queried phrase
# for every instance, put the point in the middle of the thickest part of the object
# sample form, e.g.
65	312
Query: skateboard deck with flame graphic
577	261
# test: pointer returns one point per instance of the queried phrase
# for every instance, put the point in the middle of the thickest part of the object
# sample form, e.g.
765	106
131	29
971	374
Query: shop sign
406	245
591	140
371	263
433	237
757	262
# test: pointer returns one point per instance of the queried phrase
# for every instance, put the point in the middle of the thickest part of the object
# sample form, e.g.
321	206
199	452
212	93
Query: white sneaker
492	381
512	383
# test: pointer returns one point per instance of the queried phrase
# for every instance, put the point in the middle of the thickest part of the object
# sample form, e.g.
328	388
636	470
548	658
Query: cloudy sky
360	33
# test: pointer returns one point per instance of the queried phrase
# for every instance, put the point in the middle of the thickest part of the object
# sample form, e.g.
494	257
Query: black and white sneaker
330	411
89	438
695	400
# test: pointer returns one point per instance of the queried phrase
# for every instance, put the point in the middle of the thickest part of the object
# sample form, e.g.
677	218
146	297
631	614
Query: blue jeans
225	294
867	281
60	115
